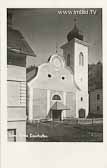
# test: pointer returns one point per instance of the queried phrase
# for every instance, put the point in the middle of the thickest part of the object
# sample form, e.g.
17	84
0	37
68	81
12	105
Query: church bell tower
75	53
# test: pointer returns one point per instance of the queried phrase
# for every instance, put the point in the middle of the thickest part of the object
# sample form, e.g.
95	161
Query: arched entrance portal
57	107
82	113
56	110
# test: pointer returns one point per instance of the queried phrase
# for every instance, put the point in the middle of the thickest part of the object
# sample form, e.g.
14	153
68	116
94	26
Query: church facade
60	88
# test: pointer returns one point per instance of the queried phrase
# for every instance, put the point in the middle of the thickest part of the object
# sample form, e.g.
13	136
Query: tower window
98	97
68	60
81	59
98	108
81	98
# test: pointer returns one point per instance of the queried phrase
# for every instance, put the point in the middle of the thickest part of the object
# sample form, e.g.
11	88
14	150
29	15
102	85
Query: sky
44	29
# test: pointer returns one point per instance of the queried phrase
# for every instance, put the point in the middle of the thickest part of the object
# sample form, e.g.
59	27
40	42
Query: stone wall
95	103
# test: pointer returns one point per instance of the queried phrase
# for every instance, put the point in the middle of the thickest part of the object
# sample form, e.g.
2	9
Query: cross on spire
56	48
75	21
75	32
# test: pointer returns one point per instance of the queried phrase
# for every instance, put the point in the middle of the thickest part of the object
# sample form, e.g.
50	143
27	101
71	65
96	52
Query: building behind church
17	52
59	89
95	83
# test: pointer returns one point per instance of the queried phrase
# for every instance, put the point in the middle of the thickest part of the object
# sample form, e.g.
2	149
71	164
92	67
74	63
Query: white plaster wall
81	71
64	111
48	101
42	80
39	105
71	104
15	113
69	49
16	73
82	104
81	78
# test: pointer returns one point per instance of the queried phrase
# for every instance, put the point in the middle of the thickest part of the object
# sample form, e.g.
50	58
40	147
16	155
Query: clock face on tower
57	62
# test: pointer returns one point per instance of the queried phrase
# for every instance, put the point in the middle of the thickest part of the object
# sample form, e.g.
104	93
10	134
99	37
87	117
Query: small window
63	77
49	75
81	98
98	108
68	60
98	97
81	59
11	135
56	97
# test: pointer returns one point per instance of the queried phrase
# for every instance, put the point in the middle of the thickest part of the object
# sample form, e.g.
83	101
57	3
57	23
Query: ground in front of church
58	131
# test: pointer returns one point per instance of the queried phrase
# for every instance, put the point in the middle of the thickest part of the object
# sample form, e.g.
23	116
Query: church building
60	88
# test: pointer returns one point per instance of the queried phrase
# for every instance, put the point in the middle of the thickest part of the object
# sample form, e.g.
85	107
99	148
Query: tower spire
75	23
56	48
74	33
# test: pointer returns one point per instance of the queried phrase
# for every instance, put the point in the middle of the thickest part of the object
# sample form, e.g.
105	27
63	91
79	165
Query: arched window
98	97
56	97
68	60
81	59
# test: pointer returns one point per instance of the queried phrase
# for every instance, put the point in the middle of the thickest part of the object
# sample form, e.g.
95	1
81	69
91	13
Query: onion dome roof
74	33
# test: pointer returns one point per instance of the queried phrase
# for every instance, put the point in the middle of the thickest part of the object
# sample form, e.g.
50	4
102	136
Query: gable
54	75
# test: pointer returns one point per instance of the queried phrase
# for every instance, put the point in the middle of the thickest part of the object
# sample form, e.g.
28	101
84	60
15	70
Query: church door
82	113
56	115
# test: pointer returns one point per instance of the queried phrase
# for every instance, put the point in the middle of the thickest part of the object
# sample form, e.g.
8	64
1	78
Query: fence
90	121
81	121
